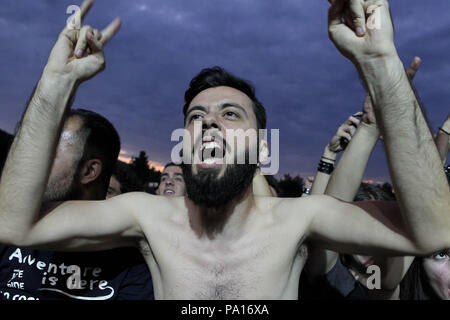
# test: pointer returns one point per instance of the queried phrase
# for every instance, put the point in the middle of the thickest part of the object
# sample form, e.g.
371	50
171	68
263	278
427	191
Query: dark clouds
308	88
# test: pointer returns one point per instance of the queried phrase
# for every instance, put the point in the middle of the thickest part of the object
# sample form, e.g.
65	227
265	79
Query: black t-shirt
27	274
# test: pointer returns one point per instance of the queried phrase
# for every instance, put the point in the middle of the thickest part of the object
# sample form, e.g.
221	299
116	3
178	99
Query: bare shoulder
296	210
293	214
153	210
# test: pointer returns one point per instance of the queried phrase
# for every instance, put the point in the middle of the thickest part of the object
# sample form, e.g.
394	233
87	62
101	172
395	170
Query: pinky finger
110	30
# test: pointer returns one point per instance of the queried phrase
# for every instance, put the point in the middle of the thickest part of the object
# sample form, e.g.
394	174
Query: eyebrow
233	104
175	174
223	105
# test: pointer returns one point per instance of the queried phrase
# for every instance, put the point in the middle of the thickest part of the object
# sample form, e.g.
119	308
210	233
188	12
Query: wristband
325	167
307	190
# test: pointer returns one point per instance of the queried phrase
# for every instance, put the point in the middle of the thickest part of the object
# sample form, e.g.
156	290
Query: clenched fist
361	29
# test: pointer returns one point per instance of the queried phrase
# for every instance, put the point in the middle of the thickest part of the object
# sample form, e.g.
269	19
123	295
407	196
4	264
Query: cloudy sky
308	88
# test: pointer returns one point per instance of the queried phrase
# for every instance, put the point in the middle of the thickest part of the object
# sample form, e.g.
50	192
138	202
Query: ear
263	151
90	171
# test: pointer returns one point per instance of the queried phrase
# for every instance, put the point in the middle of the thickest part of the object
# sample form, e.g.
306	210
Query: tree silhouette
143	171
291	187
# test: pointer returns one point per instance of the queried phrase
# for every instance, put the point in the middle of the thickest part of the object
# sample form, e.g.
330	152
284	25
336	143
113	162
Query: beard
63	187
208	191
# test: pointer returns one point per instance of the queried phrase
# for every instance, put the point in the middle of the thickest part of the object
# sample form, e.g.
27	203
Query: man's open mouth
169	192
212	153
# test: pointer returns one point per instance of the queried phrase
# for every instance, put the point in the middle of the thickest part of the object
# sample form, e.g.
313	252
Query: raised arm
415	167
338	143
344	184
349	172
321	261
76	56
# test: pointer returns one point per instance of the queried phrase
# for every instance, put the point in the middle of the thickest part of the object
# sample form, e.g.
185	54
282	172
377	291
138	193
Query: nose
169	182
209	121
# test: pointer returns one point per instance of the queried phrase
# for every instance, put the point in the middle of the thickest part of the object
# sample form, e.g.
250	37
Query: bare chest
264	264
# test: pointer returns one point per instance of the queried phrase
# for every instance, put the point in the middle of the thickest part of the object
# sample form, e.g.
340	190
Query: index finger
84	9
78	17
110	30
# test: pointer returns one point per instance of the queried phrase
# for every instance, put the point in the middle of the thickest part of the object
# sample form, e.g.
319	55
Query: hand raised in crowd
344	134
361	30
78	53
368	116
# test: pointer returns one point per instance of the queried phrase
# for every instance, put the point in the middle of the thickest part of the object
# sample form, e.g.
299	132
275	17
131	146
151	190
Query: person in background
123	180
172	181
86	155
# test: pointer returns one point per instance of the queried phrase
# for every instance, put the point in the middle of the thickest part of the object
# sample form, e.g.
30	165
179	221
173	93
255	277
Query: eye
440	256
179	179
195	117
231	115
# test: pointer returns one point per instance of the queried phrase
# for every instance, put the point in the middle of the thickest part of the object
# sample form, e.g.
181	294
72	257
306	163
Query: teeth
209	161
210	145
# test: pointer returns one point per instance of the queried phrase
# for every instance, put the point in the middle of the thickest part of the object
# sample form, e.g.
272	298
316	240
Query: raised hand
368	116
344	134
78	54
361	29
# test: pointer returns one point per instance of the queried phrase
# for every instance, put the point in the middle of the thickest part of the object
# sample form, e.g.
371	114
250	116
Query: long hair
415	285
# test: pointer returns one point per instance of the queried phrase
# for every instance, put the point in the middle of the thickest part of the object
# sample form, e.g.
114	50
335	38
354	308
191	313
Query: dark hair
128	179
415	284
368	191
102	142
216	77
172	164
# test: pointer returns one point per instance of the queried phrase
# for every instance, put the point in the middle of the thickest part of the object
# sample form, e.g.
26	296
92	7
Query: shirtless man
245	247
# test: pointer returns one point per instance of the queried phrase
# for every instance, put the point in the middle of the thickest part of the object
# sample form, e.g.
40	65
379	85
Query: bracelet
329	159
325	167
440	129
307	190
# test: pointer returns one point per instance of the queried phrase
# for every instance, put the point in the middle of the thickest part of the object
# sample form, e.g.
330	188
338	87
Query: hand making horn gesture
78	53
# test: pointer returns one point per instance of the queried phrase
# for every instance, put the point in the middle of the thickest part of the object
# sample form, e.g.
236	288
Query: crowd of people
77	225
